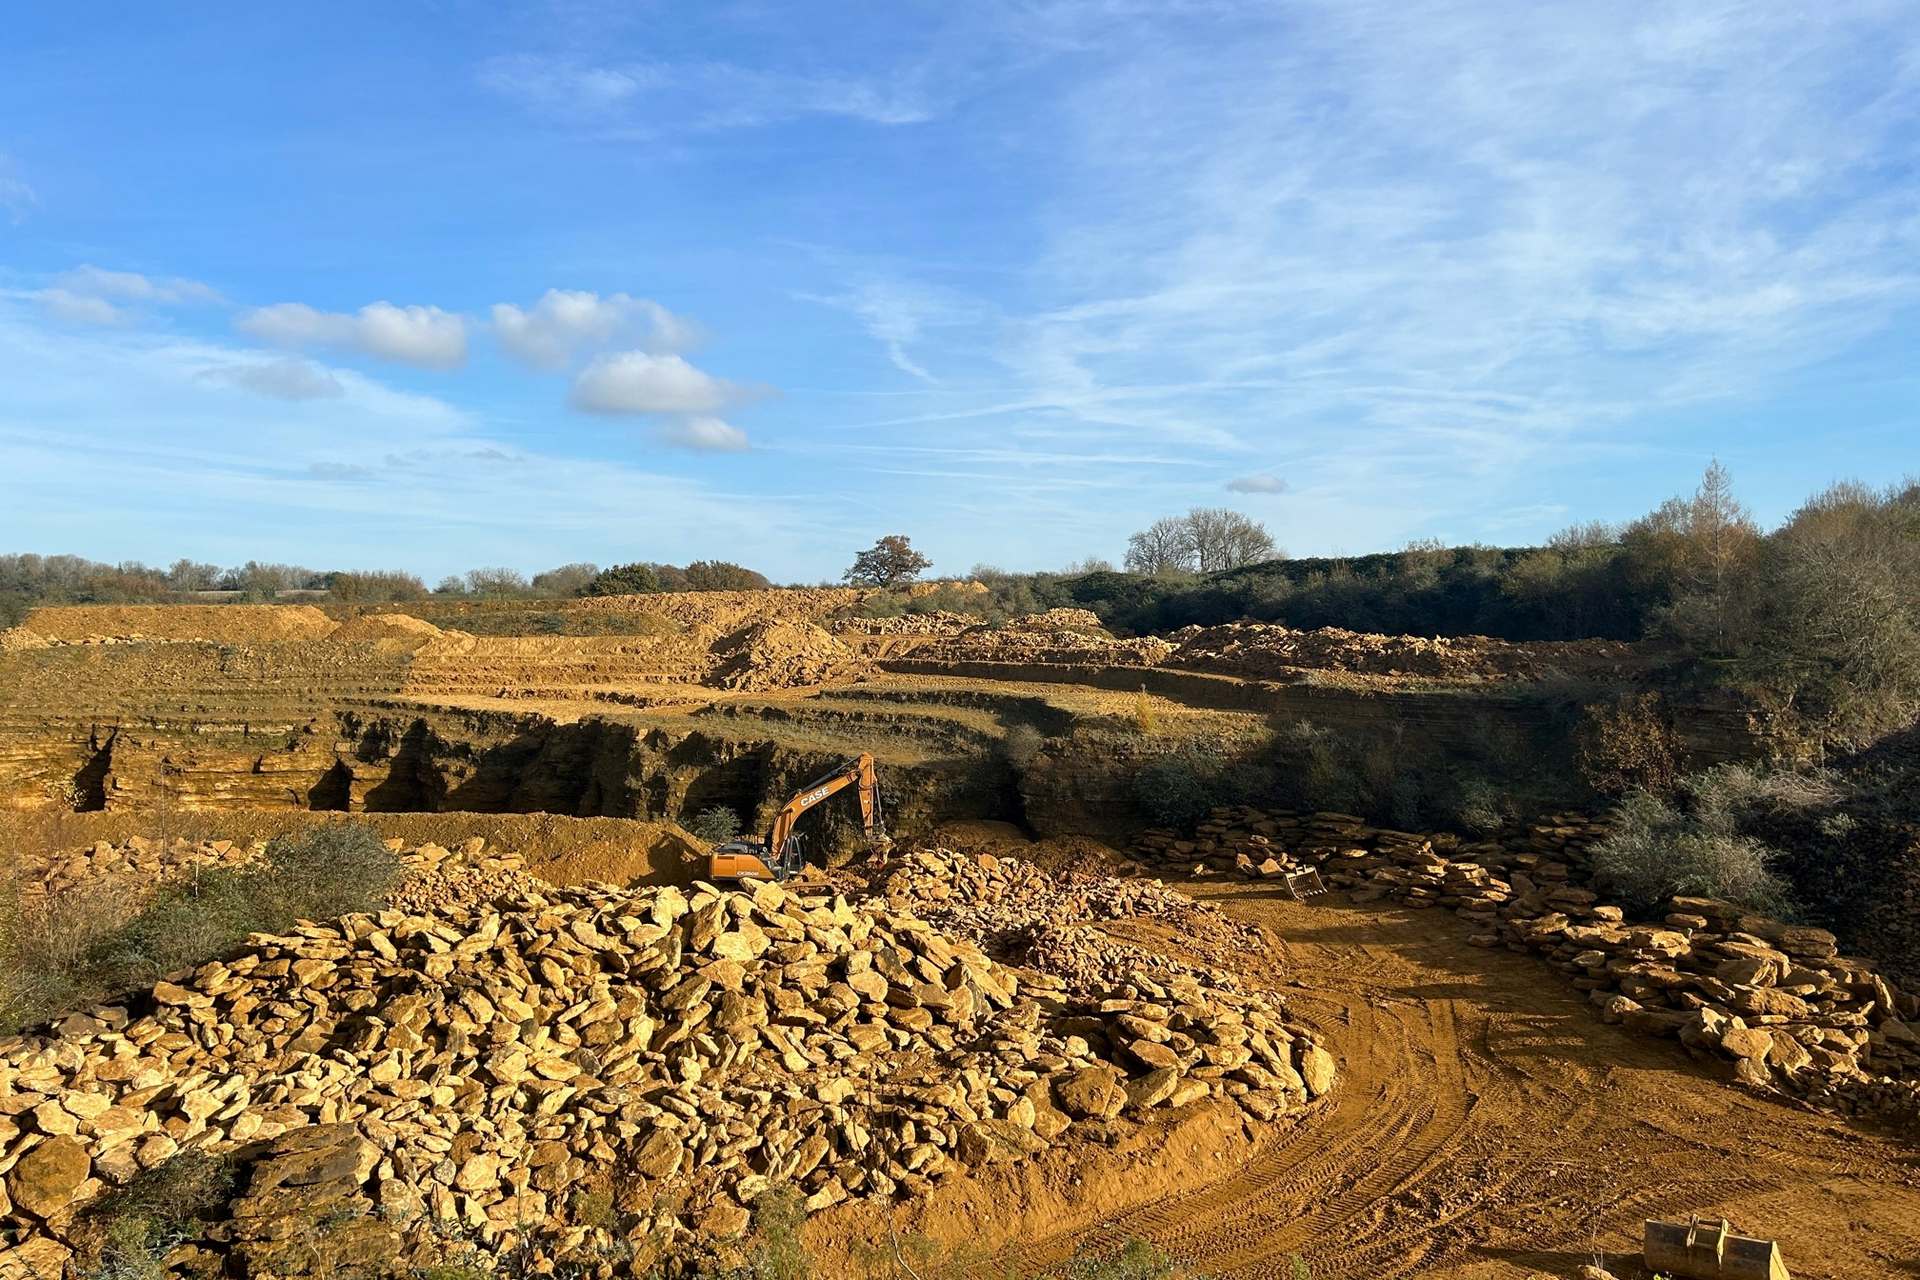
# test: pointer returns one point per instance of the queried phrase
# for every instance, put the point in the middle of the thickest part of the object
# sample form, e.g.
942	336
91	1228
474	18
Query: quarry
1043	1025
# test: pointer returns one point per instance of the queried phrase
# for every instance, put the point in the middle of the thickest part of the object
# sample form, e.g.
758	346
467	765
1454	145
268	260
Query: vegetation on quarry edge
1816	622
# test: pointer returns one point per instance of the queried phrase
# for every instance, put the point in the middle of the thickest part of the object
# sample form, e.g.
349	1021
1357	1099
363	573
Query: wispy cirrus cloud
899	313
1428	248
706	95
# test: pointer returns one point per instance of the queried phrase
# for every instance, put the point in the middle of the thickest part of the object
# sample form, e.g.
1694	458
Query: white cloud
338	481
130	286
77	308
706	435
708	95
94	295
1259	482
423	336
288	378
1416	247
637	382
565	322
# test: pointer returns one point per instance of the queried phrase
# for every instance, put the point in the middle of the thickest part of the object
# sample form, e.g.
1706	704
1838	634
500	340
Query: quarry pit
1485	1120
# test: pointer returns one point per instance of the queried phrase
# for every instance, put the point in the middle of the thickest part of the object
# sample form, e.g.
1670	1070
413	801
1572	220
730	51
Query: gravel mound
938	623
782	655
1055	636
400	629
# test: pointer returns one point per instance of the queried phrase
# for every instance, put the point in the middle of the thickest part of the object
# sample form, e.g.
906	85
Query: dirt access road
1488	1126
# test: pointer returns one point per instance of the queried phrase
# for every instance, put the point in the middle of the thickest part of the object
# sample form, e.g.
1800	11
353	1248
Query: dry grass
108	936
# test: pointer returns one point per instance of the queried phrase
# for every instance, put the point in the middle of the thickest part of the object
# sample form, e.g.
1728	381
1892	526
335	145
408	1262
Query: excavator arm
780	857
858	772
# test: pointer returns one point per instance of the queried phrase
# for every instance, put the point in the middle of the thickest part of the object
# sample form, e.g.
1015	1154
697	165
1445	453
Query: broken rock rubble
485	1060
1774	1004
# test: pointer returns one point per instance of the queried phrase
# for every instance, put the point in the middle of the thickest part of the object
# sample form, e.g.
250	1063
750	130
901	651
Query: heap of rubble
465	1068
782	655
1266	650
1774	1002
937	622
987	898
1053	636
430	872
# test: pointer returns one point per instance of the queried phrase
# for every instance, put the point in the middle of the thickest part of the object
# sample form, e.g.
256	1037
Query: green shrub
1021	744
1173	791
131	1229
1482	808
715	824
624	580
1657	850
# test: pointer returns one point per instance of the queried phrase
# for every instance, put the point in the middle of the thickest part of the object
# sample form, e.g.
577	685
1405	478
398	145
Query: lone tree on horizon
890	562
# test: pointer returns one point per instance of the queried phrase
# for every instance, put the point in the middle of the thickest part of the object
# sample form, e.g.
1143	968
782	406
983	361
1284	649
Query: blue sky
454	284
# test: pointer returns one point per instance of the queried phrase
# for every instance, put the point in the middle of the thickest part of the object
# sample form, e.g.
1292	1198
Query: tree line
27	581
1818	620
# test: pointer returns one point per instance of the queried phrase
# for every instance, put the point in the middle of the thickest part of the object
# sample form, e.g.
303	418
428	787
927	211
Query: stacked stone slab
1773	1003
463	1069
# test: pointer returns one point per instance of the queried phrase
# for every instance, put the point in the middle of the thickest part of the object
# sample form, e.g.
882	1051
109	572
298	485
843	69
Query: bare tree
1225	539
567	580
185	575
1165	546
496	581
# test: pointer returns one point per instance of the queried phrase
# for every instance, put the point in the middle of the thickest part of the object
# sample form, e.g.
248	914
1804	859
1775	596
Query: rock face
1772	1003
469	1065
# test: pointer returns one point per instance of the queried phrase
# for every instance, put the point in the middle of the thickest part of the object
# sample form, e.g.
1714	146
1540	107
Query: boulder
46	1179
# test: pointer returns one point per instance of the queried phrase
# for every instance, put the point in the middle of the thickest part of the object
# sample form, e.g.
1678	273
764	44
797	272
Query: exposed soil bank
1489	1127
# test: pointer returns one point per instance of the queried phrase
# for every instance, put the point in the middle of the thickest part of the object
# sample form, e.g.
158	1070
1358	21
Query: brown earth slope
1488	1127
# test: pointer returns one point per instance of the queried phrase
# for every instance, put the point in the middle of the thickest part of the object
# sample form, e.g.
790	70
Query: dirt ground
1487	1126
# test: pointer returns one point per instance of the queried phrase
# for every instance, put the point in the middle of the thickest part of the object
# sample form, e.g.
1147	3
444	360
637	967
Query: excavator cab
778	857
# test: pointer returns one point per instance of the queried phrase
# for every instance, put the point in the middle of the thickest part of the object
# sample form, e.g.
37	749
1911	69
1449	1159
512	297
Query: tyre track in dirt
1486	1124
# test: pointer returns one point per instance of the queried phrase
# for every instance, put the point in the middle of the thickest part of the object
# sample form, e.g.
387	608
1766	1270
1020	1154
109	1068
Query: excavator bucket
1707	1249
1302	885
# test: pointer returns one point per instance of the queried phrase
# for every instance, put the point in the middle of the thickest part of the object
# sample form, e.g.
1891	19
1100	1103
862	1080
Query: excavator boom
779	857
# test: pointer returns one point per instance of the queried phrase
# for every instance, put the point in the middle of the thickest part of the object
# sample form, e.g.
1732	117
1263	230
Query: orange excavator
779	858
